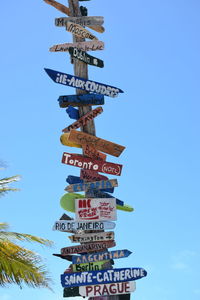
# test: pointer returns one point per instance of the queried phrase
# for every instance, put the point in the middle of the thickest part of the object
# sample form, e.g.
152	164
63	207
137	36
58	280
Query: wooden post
81	70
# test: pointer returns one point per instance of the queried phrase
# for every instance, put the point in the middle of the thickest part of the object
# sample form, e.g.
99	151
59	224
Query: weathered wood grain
89	247
80	31
92	237
83	21
91	152
85	46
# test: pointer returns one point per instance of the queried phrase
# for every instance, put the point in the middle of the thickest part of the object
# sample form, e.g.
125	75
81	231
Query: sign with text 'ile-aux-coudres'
85	46
80	161
84	119
81	100
84	186
109	289
82	138
83	84
92	237
72	226
80	31
85	57
88	247
102	277
83	21
100	256
102	209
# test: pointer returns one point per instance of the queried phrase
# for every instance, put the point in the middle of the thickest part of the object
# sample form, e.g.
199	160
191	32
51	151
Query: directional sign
99	265
89	175
86	58
96	209
83	84
100	256
84	186
92	237
89	164
107	289
90	151
71	226
83	21
71	292
72	112
89	247
83	138
102	277
81	100
64	140
84	119
80	31
85	46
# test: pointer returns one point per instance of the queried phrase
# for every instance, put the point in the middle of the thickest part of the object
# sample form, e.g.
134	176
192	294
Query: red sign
88	247
91	152
89	164
92	176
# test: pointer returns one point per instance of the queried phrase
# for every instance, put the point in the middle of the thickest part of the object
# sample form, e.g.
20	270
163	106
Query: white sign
71	226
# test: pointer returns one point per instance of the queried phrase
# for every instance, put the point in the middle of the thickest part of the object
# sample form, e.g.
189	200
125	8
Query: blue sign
83	84
72	112
102	276
77	100
93	257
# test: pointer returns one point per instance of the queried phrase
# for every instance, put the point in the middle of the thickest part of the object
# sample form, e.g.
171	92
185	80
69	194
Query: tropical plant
17	264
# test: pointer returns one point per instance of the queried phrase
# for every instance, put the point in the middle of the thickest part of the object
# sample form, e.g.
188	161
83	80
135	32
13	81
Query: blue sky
152	53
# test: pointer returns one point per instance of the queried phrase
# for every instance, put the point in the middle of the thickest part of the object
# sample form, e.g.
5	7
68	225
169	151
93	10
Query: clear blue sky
152	53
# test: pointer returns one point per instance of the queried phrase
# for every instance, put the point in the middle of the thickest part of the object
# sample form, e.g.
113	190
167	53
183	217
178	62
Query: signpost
71	226
90	164
102	277
85	46
81	100
100	256
119	288
80	31
92	237
83	84
99	185
86	58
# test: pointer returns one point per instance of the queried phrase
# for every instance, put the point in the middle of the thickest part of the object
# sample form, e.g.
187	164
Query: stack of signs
90	273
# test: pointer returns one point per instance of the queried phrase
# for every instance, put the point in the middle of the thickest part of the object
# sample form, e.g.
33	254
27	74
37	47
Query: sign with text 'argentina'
83	21
98	185
84	119
80	31
119	288
89	247
100	256
81	100
96	209
83	84
85	46
80	161
102	277
83	138
85	57
92	237
71	226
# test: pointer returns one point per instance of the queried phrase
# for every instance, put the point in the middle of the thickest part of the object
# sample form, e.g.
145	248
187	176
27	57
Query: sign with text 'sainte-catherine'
85	57
98	209
92	237
89	164
80	31
84	186
83	21
102	277
100	256
85	46
88	247
81	100
71	226
100	144
119	288
83	84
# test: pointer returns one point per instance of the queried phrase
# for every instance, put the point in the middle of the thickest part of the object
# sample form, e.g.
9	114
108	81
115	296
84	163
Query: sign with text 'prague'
98	185
96	209
84	119
100	256
89	164
85	46
81	100
80	31
119	288
100	144
83	21
92	237
71	226
89	247
83	84
102	277
85	57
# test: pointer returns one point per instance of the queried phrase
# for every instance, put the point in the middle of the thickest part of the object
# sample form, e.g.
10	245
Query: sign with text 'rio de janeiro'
89	164
92	237
100	256
96	209
119	288
100	144
102	277
88	247
85	57
71	226
84	186
81	100
84	119
80	31
83	84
